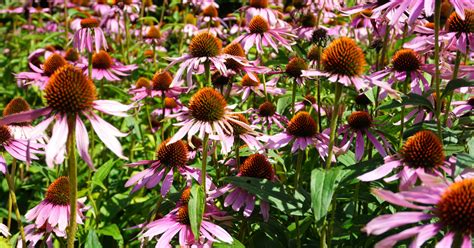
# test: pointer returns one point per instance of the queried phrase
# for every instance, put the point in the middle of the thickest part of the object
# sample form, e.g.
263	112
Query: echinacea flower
301	133
69	93
90	36
248	85
256	166
4	230
260	8
460	32
162	84
234	67
250	137
261	34
305	29
360	124
171	106
54	209
204	48
105	67
21	130
206	114
421	153
141	89
463	107
343	62
35	234
40	75
23	150
442	206
177	222
170	157
266	115
405	63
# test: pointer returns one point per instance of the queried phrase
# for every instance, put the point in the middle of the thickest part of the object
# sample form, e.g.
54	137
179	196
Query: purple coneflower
104	67
177	222
162	84
343	62
256	166
444	206
261	34
171	106
207	114
301	133
309	101
260	8
360	124
234	67
305	29
422	153
40	76
250	137
54	209
68	94
21	130
204	49
266	115
35	234
141	89
248	85
169	157
90	35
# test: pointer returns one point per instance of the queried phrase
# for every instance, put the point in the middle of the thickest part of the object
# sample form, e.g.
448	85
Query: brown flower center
172	155
207	105
148	53
58	192
234	49
249	82
295	66
170	103
458	25
471	101
261	4
89	23
423	150
143	83
69	90
52	63
343	57
266	109
309	100
359	120
205	45
185	196
258	25
302	125
15	106
102	60
406	60
153	33
162	80
256	165
308	20
210	11
5	134
456	207
182	215
219	80
313	54
320	37
71	55
238	130
362	99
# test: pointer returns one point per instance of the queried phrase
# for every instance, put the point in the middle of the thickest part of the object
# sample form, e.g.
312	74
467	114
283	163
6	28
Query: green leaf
112	231
101	174
465	160
323	186
456	84
271	192
409	99
196	208
235	244
92	240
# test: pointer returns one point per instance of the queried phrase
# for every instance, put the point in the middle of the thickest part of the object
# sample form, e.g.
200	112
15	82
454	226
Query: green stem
405	91
437	22
72	182
265	87
89	66
11	188
10	201
299	162
207	66
455	75
204	161
293	97
66	25
333	125
237	150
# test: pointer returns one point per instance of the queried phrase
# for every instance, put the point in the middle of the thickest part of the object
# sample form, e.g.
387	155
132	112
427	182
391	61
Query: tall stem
455	75
293	97
333	124
405	90
237	150
71	142
10	201
437	80
11	189
299	162
204	161
89	65
207	66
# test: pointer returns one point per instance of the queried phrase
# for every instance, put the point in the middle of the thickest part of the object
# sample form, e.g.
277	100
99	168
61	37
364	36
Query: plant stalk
71	142
333	124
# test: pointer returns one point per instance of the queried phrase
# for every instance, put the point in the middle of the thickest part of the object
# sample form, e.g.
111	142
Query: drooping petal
82	142
386	222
